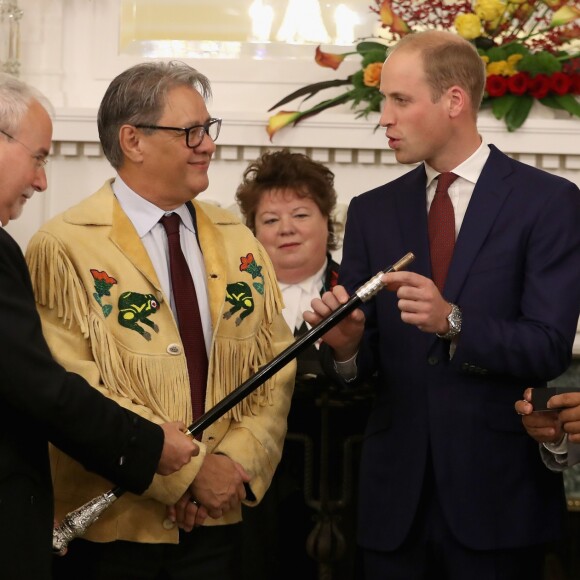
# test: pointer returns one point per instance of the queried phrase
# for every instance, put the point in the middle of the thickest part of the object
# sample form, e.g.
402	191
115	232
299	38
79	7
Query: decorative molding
551	144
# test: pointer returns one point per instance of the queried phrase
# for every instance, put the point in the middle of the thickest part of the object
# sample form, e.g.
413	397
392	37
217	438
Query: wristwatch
454	319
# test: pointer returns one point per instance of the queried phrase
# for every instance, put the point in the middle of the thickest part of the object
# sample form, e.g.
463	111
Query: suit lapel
412	213
489	195
124	236
211	244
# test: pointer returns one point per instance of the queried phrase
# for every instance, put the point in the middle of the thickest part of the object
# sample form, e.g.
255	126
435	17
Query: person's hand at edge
544	427
178	448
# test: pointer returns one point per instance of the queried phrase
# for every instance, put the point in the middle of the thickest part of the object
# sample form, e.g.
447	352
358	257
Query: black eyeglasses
193	135
39	159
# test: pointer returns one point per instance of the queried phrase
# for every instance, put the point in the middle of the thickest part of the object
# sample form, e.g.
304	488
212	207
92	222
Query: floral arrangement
531	50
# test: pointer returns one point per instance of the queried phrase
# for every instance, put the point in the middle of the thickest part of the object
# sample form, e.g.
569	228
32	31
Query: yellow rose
489	10
372	74
468	26
499	67
511	63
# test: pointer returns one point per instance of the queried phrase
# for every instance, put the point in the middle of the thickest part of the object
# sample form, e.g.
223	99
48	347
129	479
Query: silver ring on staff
194	501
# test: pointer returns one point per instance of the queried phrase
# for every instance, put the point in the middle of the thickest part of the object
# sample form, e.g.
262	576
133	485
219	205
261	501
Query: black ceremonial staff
76	523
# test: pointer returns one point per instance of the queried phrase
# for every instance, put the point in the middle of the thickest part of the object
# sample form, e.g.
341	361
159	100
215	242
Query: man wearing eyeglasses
165	304
39	400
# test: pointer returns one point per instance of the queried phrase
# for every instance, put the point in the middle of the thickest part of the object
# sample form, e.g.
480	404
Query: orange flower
280	120
372	74
390	19
328	59
102	276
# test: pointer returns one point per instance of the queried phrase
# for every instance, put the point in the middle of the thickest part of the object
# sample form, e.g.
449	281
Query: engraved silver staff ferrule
370	288
76	523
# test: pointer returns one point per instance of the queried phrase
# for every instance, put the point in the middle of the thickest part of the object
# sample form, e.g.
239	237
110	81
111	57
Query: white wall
69	51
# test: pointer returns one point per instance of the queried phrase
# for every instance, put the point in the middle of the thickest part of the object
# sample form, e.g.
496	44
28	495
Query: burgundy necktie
188	318
441	229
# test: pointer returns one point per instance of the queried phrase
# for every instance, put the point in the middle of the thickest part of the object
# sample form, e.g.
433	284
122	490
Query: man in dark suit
451	485
39	400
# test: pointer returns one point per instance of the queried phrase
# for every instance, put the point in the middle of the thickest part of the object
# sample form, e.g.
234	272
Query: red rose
560	83
571	66
519	83
575	88
539	86
496	85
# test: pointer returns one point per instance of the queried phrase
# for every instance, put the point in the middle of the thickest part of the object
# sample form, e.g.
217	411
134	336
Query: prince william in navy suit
451	485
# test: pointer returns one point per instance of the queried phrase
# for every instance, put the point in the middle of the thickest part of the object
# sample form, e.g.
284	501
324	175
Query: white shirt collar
470	169
143	214
297	297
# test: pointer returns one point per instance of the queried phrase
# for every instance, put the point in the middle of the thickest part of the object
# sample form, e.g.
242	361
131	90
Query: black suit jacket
515	274
41	402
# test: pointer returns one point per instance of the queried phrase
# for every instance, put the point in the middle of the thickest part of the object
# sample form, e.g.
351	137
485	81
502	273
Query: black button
433	360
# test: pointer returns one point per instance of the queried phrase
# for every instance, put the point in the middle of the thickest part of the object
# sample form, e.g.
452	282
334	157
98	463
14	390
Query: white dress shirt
461	190
297	297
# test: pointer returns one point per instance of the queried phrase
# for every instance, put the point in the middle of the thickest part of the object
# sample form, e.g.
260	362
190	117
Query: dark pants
431	551
208	553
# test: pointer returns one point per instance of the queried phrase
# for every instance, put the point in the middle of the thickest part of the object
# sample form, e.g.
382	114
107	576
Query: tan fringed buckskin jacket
105	317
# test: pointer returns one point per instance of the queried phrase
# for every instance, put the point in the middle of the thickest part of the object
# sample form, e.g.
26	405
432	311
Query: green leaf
367	46
501	105
497	53
542	62
552	102
373	56
568	103
344	98
518	112
311	90
357	79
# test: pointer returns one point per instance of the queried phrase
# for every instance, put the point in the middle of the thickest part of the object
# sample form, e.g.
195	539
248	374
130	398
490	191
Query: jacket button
433	360
168	524
174	348
122	460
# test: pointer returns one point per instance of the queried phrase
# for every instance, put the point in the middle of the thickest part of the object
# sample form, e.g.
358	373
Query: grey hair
15	99
137	97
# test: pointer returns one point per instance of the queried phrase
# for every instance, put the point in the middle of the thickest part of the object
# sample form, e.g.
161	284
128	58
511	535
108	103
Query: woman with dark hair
288	200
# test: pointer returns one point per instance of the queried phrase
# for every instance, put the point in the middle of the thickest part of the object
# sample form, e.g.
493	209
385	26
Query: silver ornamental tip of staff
77	522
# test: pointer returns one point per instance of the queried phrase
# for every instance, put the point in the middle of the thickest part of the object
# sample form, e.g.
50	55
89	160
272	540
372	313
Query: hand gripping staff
76	523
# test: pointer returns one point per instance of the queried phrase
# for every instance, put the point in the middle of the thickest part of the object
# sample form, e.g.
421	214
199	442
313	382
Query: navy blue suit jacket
515	274
41	402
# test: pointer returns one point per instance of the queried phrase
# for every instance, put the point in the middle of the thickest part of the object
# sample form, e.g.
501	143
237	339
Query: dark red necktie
441	229
188	318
